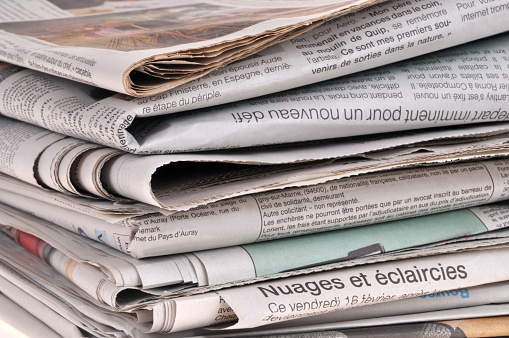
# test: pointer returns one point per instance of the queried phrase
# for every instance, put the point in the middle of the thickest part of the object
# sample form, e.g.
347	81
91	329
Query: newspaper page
260	211
402	311
158	45
346	203
207	301
20	149
88	166
480	301
291	298
102	209
485	326
369	38
469	327
174	192
273	213
158	180
102	271
33	319
467	84
90	314
256	260
109	51
59	295
217	309
452	315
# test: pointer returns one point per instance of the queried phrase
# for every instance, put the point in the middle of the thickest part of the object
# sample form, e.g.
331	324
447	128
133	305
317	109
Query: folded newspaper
462	85
33	317
182	181
252	261
388	277
125	52
339	204
486	326
144	47
487	300
367	252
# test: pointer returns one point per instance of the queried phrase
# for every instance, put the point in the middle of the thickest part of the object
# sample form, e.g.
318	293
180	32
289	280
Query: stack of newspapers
221	168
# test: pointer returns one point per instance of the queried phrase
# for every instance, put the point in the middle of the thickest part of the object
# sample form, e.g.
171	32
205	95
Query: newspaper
428	303
296	330
297	326
57	295
33	320
219	305
458	86
156	45
292	298
470	327
247	262
186	41
75	167
445	305
159	315
485	326
271	214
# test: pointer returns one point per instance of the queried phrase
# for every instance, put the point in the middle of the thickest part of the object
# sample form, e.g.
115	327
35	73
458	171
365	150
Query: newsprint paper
352	202
390	277
178	182
188	40
143	47
468	84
